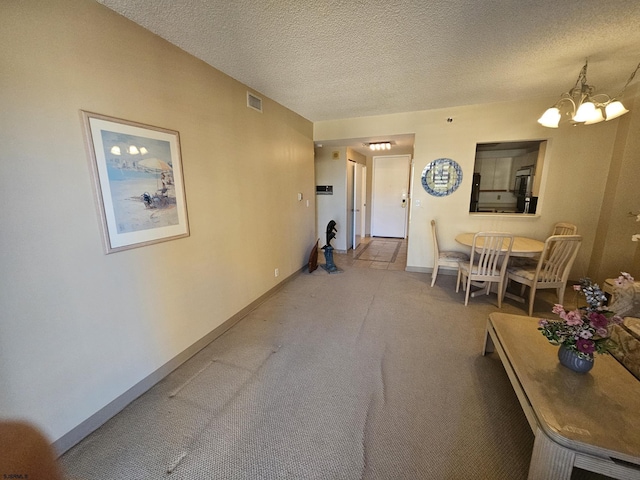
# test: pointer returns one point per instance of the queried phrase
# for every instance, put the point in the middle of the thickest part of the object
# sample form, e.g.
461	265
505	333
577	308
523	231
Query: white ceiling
327	60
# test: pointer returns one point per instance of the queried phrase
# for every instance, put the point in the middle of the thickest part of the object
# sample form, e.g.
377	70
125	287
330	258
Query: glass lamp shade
596	118
586	111
550	118
133	150
615	110
115	150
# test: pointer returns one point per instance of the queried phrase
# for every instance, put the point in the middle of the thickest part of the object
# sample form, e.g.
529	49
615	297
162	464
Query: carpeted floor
366	374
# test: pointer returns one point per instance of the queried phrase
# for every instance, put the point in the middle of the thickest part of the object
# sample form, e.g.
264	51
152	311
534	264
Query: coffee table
590	421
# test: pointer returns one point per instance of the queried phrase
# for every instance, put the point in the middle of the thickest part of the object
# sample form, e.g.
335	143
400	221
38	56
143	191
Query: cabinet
495	174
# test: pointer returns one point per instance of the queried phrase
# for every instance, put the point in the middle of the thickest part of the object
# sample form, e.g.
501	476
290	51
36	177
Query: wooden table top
596	413
522	246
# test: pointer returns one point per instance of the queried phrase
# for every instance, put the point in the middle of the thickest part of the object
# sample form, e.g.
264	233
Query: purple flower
543	322
602	332
597	320
585	346
617	319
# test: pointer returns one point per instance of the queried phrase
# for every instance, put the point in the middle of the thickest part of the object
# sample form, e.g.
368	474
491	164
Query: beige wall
331	169
574	179
612	248
79	327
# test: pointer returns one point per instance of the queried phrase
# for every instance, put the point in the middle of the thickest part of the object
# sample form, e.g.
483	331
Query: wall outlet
276	272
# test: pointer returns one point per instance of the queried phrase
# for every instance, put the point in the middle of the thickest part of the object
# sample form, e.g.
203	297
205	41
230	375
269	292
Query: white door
357	204
390	196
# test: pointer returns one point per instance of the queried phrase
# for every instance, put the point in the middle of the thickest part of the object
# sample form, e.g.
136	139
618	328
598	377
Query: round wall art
441	177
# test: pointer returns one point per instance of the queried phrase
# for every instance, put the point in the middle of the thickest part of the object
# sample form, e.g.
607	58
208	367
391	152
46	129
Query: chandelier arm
567	98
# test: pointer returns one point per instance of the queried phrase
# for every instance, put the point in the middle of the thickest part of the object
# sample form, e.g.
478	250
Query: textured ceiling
335	59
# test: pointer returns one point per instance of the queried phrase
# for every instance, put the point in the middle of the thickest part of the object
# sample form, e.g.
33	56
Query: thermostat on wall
324	189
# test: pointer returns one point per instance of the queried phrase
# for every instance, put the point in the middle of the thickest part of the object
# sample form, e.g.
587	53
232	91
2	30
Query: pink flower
602	332
617	319
573	318
597	320
623	279
558	309
585	346
576	288
543	322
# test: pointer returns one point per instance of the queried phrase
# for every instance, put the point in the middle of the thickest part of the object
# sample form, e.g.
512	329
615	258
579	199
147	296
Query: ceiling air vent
254	102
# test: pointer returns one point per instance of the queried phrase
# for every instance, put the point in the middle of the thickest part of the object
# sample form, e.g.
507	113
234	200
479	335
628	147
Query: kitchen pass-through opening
506	177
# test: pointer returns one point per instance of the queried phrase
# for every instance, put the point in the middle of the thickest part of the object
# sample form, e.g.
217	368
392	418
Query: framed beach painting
137	173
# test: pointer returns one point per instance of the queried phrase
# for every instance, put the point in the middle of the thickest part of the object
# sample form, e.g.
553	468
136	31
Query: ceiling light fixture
379	145
586	107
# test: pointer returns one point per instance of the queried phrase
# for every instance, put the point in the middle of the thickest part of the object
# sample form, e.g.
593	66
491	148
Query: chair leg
500	293
458	282
466	296
434	274
561	295
532	297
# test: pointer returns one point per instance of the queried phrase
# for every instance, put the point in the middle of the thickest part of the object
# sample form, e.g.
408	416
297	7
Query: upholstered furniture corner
625	302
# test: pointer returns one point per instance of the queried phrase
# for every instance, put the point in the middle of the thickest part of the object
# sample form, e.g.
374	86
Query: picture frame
138	182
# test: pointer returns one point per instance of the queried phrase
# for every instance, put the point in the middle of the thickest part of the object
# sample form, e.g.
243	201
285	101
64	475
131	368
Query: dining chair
563	228
488	262
560	228
444	258
552	270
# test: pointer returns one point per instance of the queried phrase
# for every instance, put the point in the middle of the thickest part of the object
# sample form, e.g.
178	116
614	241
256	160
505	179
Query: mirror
506	177
441	177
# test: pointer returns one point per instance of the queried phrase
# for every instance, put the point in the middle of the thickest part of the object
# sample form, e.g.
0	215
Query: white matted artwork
138	182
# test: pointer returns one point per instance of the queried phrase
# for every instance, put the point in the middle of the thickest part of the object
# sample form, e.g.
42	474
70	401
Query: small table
588	420
522	246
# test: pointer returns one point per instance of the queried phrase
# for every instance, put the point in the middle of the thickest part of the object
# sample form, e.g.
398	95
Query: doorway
390	196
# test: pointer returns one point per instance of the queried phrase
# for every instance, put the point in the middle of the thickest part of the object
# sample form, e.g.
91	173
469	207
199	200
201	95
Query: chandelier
585	106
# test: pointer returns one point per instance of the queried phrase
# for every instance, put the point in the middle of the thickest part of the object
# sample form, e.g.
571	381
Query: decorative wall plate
441	177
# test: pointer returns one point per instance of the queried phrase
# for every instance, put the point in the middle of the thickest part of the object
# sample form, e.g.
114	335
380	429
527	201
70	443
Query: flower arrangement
584	330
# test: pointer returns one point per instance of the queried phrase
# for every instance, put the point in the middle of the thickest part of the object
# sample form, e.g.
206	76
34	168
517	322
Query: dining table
521	247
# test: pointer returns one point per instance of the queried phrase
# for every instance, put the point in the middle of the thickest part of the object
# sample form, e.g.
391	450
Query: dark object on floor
26	453
313	257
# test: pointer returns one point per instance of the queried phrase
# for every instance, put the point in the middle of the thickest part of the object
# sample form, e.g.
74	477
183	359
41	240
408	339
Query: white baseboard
99	418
